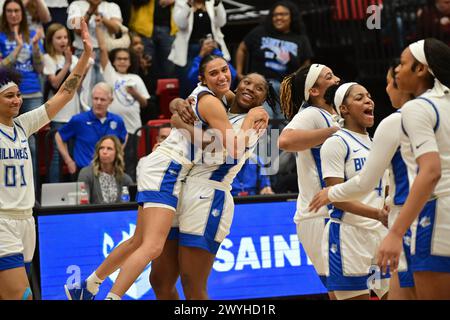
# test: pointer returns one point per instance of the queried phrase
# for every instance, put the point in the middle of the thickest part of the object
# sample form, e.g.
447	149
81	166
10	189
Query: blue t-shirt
24	64
251	178
86	129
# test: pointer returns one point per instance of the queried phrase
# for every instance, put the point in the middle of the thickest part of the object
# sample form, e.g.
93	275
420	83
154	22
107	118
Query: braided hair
292	92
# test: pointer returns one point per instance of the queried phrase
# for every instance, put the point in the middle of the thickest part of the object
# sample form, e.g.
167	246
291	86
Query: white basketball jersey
179	146
309	170
343	156
426	128
16	169
217	166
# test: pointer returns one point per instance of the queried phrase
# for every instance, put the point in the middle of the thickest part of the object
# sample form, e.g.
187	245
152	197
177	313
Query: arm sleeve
113	11
332	155
181	12
418	120
220	18
385	143
49	65
109	74
308	119
33	120
141	88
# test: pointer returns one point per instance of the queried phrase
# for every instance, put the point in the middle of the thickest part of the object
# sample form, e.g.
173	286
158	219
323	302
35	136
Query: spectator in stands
434	21
89	127
163	133
207	46
276	48
130	94
36	11
20	48
58	62
252	179
153	21
105	176
111	17
146	72
196	19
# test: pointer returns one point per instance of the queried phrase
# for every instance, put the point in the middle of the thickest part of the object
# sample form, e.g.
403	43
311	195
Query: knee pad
27	294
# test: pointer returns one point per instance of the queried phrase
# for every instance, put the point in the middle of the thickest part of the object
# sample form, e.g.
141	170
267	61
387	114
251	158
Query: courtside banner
261	257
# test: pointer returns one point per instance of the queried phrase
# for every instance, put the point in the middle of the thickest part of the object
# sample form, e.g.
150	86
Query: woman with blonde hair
105	176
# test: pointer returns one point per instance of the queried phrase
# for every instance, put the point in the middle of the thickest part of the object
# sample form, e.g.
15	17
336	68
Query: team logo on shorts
215	213
425	222
113	125
141	286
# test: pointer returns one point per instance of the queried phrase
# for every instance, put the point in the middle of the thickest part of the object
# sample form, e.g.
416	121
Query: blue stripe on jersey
435	110
316	156
192	152
11	262
354	138
23	130
220	173
325	117
165	193
13	139
400	178
348	147
196	105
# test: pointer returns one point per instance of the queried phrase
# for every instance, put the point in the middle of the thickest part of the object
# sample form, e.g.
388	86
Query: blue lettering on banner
260	257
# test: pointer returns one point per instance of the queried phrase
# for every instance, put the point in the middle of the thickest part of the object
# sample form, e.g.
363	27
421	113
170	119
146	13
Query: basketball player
352	235
424	71
17	228
308	128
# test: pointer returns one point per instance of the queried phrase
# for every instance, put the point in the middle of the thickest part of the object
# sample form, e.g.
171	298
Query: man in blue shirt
88	127
252	179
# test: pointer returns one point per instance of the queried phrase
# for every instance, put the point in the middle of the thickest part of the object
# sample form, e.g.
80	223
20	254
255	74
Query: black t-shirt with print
276	55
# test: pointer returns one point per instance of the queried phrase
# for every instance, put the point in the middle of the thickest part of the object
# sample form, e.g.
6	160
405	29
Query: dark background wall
340	37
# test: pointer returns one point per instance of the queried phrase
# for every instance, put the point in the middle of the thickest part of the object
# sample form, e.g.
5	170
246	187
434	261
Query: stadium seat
149	132
167	90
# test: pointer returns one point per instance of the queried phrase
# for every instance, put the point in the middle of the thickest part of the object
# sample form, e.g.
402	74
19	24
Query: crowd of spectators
136	43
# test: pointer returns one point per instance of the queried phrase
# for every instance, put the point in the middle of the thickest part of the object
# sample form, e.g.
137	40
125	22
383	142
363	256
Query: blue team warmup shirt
251	179
24	63
86	129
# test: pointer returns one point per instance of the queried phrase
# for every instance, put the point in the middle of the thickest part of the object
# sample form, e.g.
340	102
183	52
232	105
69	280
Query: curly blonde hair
119	162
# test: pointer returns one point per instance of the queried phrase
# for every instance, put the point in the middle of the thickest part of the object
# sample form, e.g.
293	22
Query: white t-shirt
123	103
79	8
426	128
384	154
51	65
343	155
16	169
308	161
57	3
